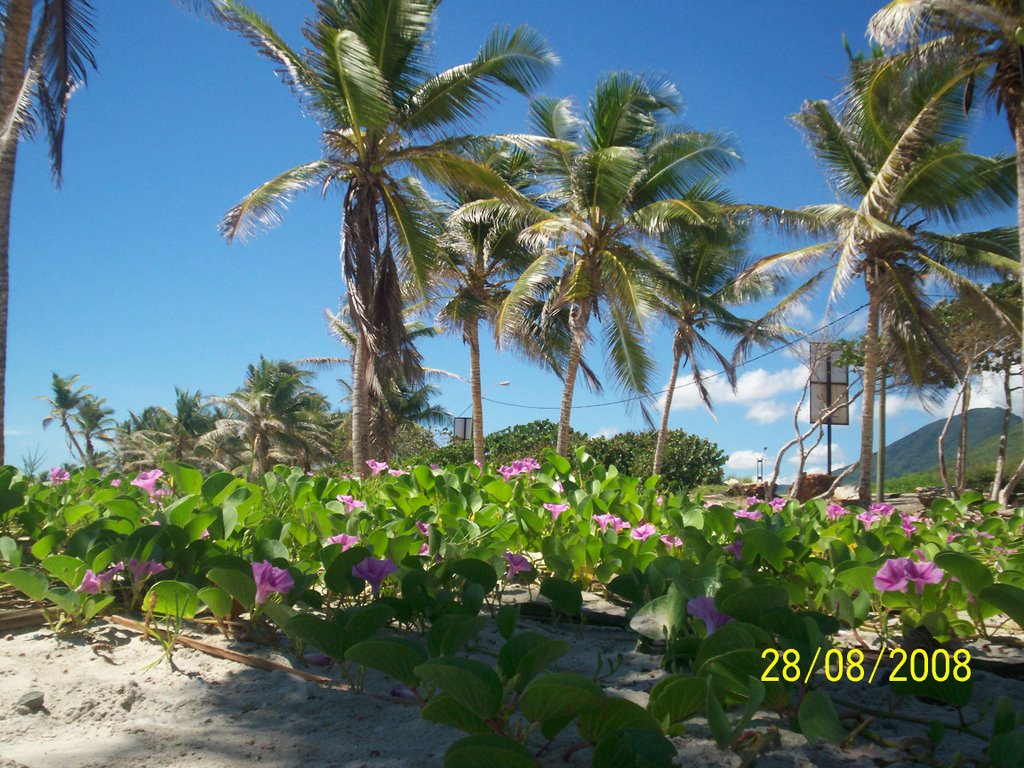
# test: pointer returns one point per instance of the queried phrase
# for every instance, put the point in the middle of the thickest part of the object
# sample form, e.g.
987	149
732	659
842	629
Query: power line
689	383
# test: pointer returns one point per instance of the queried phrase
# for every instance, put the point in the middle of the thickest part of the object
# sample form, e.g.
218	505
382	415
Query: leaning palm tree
64	401
891	147
276	415
613	177
43	60
365	80
693	292
95	424
156	435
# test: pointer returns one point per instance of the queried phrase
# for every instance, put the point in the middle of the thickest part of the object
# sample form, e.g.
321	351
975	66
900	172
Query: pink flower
777	503
374	571
870	517
270	578
617	523
519	467
752	501
376	466
643	532
559	487
90	584
345	540
556	510
205	534
735	549
881	508
115	483
704	609
108	575
897	574
708	503
516	564
397	472
748	514
660	500
434	467
59	475
424	550
671	541
423	528
350	502
836	511
143	570
951	537
909	522
147	481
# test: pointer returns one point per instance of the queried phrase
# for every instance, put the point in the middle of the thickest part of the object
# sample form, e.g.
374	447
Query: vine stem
962	727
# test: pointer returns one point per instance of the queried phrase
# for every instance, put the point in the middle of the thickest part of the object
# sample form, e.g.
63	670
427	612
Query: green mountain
919	452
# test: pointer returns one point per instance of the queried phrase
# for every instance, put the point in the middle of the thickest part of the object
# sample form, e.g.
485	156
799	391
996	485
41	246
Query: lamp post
463	427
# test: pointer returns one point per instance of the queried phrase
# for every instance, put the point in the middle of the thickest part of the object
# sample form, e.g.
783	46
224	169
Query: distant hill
918	451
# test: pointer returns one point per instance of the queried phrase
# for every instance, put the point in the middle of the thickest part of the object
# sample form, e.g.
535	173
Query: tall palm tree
94	422
891	147
613	177
365	80
64	401
156	435
276	415
692	293
44	57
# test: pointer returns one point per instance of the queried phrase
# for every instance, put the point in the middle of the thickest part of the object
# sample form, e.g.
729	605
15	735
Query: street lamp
463	428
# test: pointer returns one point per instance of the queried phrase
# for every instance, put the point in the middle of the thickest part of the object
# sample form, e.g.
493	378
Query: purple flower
115	483
90	584
909	522
617	523
556	510
671	541
374	571
836	511
777	503
643	532
424	550
897	574
345	540
735	549
434	467
748	514
704	609
205	534
516	564
108	575
559	487
870	517
376	466
351	502
141	571
59	475
397	472
270	578
752	500
147	481
880	508
660	500
423	528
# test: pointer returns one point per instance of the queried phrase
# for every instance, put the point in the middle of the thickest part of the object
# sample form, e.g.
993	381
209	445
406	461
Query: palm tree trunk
360	405
659	449
961	446
72	440
997	480
880	480
943	473
867	421
1018	140
472	329
579	317
16	30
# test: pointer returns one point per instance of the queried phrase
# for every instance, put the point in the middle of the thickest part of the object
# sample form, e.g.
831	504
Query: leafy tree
365	79
64	401
615	176
156	435
95	424
892	149
43	60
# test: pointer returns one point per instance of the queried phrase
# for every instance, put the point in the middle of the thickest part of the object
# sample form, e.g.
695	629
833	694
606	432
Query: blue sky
121	276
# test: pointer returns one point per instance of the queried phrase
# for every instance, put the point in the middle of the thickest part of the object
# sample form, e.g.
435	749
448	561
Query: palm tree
693	291
891	149
93	420
41	65
613	177
365	79
64	402
276	415
155	435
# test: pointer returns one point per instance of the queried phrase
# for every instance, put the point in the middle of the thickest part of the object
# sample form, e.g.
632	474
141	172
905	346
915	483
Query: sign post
830	389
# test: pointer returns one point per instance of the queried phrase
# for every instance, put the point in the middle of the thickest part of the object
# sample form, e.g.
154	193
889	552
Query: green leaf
676	698
527	655
818	719
751	604
487	751
30	581
1007	750
661	618
476	572
969	571
66	599
860	577
616	715
560	694
327	636
560	463
1008	599
396	657
499	490
767	544
338	576
955	693
565	596
187	479
472	683
452	632
506	620
239	584
634	748
217	600
65	568
172	598
10	552
446	710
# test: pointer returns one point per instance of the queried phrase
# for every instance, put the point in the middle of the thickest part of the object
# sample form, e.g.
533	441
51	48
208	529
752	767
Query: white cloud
819	454
16	432
767	411
754	386
986	392
799	312
606	432
743	460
